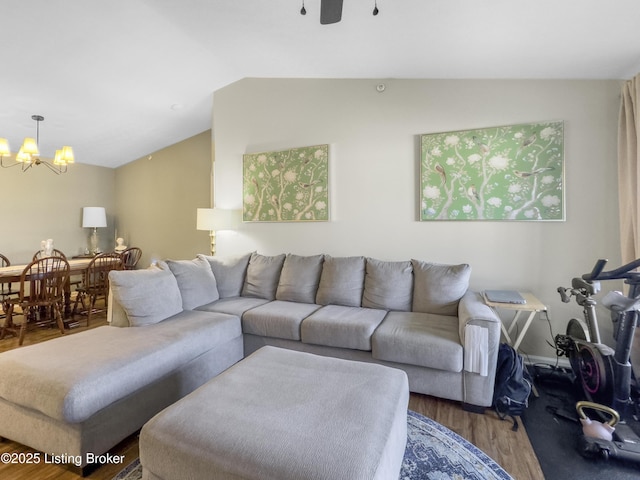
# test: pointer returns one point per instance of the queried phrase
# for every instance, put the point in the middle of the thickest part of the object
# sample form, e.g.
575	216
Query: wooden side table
532	306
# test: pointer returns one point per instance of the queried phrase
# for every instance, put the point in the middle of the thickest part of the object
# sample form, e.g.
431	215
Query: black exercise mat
552	424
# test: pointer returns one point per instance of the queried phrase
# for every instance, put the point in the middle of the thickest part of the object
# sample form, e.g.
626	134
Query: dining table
77	266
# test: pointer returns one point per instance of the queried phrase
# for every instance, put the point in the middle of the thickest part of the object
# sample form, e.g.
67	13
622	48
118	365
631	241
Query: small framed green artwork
513	172
286	186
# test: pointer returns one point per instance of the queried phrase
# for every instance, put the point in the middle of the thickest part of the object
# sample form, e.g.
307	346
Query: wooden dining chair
41	290
58	253
6	289
131	257
95	283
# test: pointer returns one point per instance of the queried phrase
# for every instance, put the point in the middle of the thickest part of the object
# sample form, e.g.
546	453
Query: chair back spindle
131	257
54	253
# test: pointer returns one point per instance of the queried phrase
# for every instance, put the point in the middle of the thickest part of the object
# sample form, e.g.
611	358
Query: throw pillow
229	273
388	285
263	274
196	282
147	296
438	288
341	282
299	278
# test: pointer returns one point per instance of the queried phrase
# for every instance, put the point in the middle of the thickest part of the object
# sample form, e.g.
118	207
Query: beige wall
157	197
150	203
38	204
374	175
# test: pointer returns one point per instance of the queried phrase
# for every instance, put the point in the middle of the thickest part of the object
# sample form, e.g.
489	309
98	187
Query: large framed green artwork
513	172
286	186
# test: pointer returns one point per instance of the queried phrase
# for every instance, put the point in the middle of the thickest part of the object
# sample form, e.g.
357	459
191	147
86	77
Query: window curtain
629	170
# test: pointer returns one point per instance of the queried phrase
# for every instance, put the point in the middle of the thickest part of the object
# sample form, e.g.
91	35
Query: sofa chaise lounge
75	397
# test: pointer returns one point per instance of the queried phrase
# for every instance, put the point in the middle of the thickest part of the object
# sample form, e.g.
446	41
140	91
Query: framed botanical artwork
514	172
286	186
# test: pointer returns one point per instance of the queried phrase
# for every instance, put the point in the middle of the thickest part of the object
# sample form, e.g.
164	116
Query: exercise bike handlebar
563	294
625	271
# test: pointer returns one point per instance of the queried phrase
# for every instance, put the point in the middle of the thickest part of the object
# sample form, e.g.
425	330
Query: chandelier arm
7	166
56	170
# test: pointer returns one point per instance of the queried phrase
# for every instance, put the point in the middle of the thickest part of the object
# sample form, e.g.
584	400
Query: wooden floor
512	450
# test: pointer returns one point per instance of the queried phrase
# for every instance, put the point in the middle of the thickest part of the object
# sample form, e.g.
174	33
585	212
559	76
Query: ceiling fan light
4	147
29	146
67	155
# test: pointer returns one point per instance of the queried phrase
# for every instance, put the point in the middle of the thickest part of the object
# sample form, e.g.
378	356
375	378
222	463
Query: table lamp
94	217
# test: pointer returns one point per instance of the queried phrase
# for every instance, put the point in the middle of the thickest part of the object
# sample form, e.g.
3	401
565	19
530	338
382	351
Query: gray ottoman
279	415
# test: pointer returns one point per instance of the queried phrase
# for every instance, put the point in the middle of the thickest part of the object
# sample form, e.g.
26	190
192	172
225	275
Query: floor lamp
214	219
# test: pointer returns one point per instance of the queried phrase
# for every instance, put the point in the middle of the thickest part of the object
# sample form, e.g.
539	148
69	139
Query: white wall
374	175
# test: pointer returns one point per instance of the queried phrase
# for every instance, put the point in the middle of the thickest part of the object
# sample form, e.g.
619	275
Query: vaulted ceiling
121	79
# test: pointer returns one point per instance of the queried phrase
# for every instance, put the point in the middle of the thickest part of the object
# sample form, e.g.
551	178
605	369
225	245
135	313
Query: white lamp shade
4	147
214	219
30	146
94	217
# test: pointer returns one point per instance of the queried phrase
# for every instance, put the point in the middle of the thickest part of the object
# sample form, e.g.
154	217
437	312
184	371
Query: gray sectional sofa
79	395
417	316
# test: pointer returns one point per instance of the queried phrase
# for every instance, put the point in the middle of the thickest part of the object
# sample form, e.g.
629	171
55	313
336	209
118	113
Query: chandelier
29	155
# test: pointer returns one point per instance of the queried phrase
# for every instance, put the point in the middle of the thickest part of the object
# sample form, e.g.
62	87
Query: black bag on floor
513	385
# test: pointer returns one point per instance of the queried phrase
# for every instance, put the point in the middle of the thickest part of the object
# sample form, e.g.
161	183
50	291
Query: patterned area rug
433	453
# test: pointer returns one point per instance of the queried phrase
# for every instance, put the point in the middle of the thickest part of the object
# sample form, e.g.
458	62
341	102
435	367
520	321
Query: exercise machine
605	374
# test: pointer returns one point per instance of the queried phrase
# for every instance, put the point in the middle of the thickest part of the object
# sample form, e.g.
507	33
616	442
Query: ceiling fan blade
330	11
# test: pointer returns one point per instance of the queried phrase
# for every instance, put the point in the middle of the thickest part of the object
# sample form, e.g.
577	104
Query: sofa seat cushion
233	305
277	319
74	376
344	327
422	339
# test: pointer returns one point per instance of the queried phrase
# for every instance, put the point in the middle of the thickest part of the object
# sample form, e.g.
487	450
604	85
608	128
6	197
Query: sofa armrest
116	316
474	312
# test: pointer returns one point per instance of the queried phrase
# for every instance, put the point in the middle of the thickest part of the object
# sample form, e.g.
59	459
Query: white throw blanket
476	349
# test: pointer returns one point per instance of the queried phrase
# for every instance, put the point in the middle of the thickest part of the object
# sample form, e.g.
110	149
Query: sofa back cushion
341	281
388	285
195	280
438	288
229	273
263	274
299	278
147	296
